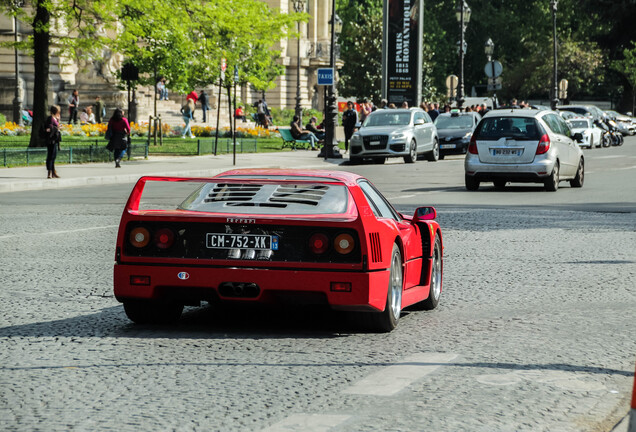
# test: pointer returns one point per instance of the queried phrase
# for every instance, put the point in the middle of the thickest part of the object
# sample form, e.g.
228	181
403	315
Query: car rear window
521	128
268	198
579	124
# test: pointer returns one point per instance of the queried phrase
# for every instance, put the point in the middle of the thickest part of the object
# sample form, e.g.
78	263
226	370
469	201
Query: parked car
592	134
583	110
523	146
626	124
454	130
275	236
405	133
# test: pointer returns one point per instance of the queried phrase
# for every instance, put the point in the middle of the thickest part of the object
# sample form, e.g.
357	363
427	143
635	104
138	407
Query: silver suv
403	133
523	145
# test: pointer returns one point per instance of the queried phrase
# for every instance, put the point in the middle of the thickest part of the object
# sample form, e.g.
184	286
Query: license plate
447	146
506	152
374	143
241	241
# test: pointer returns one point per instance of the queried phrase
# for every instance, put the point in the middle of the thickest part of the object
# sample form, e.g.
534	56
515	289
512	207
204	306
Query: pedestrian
117	133
433	111
311	127
302	134
73	106
87	116
194	97
162	89
260	112
268	115
239	114
383	104
205	106
405	105
52	138
349	122
187	112
100	110
365	110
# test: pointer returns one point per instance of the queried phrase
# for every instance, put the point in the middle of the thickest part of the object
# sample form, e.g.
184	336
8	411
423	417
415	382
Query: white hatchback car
523	145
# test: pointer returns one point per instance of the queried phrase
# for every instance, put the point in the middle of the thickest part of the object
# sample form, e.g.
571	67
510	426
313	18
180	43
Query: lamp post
330	148
555	87
489	49
299	6
463	17
17	100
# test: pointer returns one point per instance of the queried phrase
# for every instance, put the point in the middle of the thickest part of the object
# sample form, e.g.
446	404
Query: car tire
387	320
607	141
379	160
433	155
578	179
471	183
441	157
552	183
591	146
500	184
412	156
355	160
437	267
152	311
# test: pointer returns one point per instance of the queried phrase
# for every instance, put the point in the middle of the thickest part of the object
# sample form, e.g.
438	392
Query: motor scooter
617	137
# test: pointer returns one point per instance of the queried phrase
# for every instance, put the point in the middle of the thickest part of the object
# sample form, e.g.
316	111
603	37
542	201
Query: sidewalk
34	178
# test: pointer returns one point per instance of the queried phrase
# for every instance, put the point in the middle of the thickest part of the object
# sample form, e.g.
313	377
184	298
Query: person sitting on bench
303	134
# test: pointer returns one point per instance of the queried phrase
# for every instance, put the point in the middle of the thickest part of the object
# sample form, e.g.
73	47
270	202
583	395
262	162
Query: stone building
97	78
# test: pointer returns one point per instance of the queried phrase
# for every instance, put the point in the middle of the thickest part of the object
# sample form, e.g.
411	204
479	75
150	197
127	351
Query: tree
627	67
80	30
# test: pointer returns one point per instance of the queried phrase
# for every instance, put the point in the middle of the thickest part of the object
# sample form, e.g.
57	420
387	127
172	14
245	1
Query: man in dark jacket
349	121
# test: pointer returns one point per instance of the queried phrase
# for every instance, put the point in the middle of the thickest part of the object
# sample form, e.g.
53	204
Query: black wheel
607	140
152	311
379	160
441	157
500	184
552	183
433	155
471	183
412	156
355	160
580	176
591	146
437	266
387	320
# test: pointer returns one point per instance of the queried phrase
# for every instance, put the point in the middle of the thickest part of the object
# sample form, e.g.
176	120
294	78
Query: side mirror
424	214
419	122
578	137
358	125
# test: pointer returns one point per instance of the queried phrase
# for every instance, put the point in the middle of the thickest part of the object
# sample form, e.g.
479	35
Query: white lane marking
308	423
395	378
401	196
58	232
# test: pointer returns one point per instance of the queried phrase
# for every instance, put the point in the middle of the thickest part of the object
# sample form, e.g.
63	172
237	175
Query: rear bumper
537	171
368	289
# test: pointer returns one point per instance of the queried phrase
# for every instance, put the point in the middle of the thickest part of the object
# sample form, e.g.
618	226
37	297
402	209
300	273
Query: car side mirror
358	125
578	137
419	122
424	214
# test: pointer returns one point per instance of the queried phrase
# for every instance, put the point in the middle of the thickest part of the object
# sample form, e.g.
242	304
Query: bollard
198	147
160	131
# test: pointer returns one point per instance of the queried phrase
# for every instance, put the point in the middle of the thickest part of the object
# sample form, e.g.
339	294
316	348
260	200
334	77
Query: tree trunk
41	43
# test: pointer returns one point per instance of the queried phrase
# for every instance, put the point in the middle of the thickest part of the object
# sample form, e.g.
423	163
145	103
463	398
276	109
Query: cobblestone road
535	332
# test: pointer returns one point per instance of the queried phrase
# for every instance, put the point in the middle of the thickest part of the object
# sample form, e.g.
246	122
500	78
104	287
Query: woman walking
119	129
187	111
52	138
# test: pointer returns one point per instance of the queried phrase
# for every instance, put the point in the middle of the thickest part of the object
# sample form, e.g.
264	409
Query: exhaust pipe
239	290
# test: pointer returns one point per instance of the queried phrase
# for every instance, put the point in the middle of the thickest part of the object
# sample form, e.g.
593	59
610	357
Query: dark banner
402	63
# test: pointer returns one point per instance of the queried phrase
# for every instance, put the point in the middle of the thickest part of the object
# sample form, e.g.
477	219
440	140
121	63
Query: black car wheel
471	183
552	183
387	320
412	156
433	155
577	182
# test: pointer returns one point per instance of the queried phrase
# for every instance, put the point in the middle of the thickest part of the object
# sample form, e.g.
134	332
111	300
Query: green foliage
3	119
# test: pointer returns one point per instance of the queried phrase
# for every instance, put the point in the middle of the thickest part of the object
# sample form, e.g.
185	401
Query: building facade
98	78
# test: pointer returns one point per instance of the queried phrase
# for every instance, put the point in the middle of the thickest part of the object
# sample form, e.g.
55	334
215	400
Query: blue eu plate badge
274	242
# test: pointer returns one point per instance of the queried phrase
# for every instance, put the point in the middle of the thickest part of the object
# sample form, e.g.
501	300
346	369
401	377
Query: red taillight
319	243
544	144
344	244
139	237
472	147
164	238
341	286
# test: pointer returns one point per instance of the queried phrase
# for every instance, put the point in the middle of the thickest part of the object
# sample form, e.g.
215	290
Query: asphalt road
535	330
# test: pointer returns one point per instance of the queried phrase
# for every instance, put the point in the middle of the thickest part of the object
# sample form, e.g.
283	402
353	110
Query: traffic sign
494	84
223	64
451	85
325	76
493	69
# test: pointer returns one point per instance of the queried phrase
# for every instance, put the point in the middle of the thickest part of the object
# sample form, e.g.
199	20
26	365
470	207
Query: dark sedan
454	130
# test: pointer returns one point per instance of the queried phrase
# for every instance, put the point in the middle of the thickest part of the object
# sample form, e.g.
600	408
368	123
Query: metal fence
72	154
139	147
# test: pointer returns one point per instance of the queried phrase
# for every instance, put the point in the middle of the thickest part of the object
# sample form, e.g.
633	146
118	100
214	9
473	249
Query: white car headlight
466	138
398	135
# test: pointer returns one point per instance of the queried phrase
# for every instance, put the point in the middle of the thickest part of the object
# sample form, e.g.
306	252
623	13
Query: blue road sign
325	76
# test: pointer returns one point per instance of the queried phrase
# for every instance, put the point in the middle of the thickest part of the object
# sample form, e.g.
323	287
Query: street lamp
17	100
489	49
299	6
463	18
555	87
330	148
